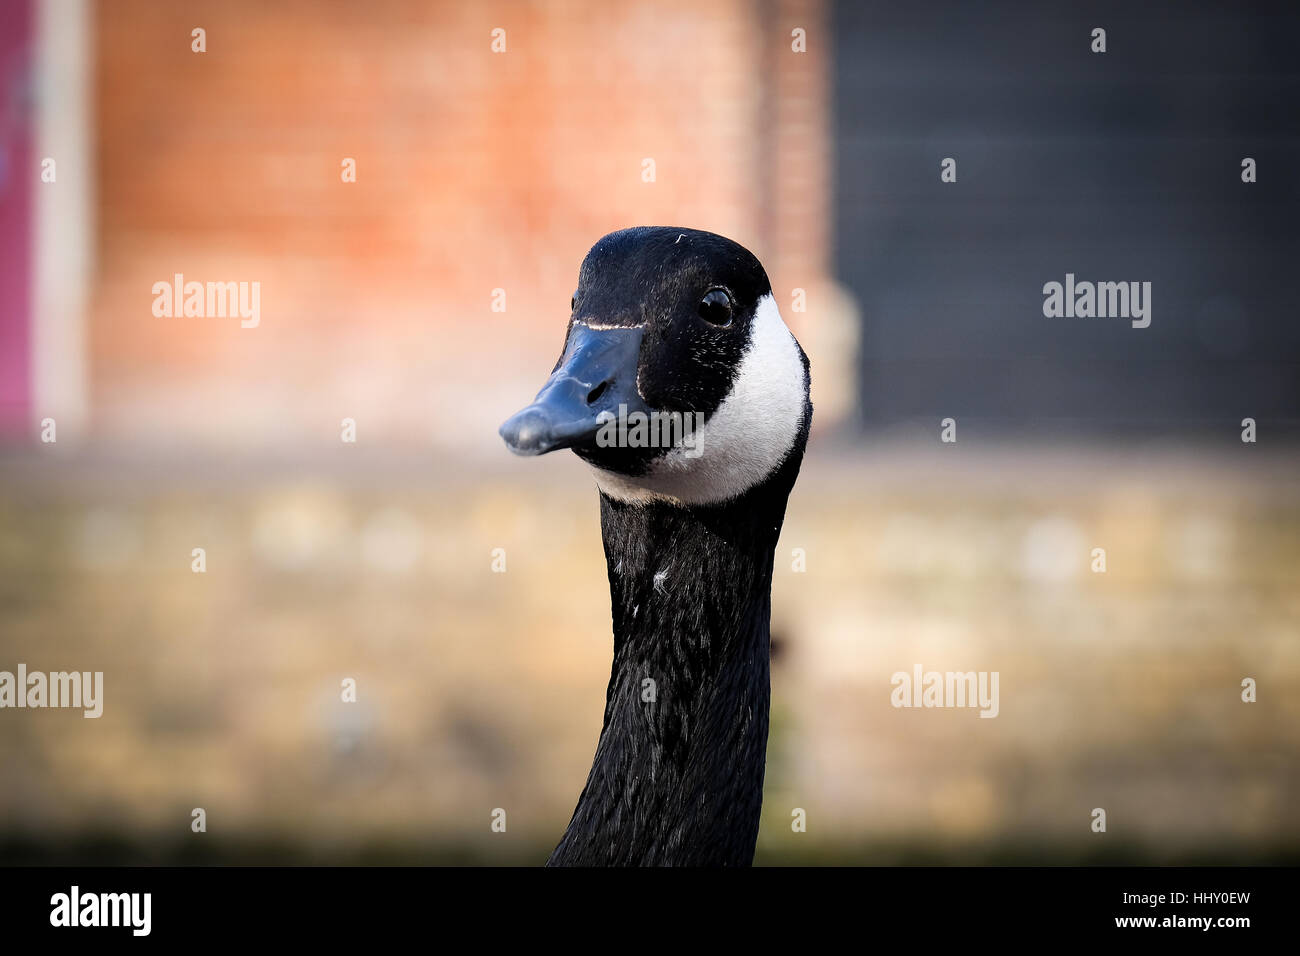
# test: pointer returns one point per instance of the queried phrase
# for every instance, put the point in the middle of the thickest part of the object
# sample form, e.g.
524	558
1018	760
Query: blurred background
426	301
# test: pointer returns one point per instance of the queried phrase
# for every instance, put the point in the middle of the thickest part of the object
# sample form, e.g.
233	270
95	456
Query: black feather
680	781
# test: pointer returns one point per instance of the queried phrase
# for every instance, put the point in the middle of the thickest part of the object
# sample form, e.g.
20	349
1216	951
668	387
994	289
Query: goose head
678	382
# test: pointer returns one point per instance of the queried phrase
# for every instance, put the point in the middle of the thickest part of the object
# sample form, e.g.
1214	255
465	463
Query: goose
678	322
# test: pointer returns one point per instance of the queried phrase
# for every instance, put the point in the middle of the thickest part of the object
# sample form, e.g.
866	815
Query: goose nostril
595	393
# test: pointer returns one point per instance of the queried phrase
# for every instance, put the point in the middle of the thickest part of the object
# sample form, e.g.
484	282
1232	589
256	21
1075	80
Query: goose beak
595	375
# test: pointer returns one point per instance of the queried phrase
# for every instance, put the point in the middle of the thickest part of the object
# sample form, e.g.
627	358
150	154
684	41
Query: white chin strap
745	439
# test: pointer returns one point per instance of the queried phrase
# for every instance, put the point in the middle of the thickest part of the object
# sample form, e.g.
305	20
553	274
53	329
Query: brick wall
475	171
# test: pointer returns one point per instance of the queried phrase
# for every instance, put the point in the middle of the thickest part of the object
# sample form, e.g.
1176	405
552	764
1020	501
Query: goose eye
573	303
715	308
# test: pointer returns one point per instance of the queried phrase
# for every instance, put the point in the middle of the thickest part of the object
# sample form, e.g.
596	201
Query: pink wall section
18	176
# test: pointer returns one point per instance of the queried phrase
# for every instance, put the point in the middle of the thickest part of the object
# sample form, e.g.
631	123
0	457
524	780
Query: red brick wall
475	171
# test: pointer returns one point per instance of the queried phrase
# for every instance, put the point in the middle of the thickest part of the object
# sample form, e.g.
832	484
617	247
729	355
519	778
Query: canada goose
669	320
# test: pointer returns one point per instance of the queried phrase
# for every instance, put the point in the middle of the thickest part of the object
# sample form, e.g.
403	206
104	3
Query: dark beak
595	375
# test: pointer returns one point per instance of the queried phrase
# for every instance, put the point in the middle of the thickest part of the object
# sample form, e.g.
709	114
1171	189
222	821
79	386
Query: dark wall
1117	166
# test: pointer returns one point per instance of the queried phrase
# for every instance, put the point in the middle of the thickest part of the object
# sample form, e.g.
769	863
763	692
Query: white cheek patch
745	439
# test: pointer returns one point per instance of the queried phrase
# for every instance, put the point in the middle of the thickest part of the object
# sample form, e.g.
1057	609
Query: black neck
678	773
